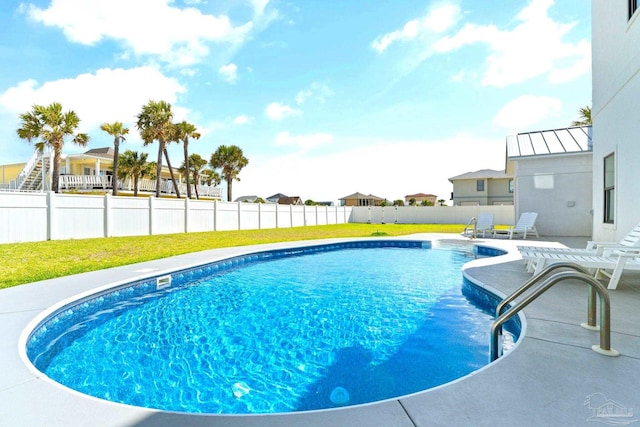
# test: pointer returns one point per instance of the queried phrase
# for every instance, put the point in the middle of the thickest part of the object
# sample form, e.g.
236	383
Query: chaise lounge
526	224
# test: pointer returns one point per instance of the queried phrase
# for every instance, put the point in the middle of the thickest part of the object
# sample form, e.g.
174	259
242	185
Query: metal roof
556	141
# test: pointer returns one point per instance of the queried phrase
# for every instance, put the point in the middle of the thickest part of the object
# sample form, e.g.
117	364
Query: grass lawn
30	262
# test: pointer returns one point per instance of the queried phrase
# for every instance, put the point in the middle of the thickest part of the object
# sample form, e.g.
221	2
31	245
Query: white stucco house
552	174
616	117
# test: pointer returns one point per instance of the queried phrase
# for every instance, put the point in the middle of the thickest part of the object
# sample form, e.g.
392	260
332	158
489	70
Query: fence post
107	215
186	214
239	215
259	216
304	215
51	216
151	214
215	215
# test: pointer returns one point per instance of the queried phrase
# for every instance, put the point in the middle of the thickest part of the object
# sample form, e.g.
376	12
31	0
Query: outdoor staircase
31	177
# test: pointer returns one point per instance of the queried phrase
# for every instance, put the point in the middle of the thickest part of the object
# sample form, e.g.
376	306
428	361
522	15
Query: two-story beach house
615	113
481	188
91	170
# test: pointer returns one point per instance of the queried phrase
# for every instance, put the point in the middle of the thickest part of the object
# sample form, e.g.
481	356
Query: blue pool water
280	333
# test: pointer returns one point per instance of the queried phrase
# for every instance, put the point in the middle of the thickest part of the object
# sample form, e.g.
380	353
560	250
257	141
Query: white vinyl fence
430	214
30	217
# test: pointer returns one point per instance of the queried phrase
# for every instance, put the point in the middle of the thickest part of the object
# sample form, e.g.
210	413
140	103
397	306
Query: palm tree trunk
55	173
173	179
135	186
195	183
229	181
159	166
186	166
114	178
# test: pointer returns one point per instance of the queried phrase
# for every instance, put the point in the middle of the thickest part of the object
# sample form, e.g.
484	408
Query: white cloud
304	142
525	111
242	120
229	72
276	111
106	96
177	36
317	91
438	20
535	47
304	173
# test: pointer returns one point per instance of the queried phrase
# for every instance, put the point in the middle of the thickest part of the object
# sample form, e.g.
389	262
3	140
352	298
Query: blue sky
325	98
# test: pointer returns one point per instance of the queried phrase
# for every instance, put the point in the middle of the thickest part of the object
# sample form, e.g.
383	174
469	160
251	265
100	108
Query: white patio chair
526	224
483	224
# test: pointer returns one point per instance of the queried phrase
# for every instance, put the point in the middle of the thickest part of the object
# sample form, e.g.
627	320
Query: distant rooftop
556	141
481	174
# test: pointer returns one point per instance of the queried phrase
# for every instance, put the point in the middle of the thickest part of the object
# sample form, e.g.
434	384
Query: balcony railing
103	182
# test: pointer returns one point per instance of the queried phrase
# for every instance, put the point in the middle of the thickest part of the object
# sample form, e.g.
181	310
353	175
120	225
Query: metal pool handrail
595	286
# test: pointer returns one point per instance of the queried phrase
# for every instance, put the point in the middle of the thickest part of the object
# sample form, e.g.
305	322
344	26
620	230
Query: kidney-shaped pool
317	327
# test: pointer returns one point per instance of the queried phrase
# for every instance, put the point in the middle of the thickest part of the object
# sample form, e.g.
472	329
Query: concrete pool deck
551	378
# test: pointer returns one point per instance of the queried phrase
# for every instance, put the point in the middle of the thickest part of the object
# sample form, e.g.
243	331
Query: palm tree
231	160
184	131
191	168
134	165
585	117
51	125
154	123
211	177
117	131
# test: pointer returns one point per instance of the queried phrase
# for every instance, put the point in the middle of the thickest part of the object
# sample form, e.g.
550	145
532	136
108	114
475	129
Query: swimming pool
372	337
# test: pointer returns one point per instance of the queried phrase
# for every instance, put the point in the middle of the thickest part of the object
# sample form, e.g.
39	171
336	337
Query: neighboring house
615	28
247	199
90	170
275	198
483	187
359	199
290	200
8	173
97	161
420	197
552	173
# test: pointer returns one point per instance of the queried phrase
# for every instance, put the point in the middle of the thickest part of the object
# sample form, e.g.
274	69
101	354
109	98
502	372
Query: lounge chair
630	241
483	224
617	261
526	224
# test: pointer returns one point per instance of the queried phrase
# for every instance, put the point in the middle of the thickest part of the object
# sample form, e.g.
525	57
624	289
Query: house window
633	6
510	186
609	188
480	185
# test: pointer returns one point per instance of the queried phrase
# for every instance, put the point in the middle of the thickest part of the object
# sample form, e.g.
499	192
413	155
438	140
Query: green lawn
30	262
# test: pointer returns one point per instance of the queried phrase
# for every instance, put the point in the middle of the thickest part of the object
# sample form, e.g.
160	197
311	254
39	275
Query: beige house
359	199
420	197
482	187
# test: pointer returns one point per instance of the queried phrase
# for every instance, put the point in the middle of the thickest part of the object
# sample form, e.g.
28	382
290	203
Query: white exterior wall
616	103
558	188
